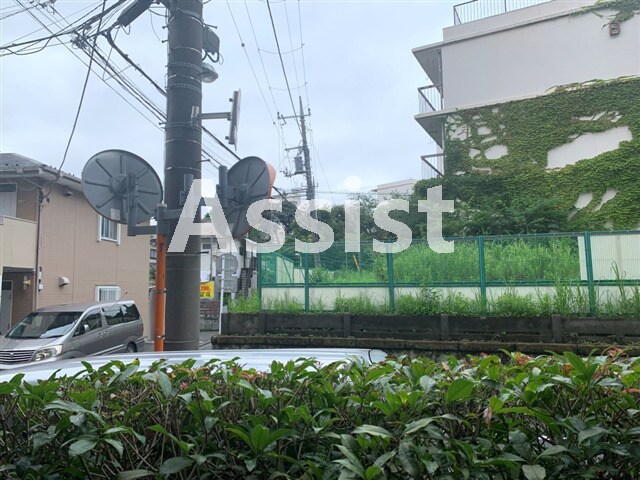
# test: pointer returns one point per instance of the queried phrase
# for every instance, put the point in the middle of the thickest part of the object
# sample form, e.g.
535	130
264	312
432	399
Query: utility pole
310	190
311	187
182	164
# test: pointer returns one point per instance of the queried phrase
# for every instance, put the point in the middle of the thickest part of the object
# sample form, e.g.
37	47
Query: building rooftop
13	165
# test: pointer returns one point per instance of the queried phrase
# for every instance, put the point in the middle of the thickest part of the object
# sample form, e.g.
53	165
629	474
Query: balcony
479	9
431	114
18	240
432	165
430	99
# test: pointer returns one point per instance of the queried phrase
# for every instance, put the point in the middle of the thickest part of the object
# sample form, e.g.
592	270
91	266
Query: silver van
72	330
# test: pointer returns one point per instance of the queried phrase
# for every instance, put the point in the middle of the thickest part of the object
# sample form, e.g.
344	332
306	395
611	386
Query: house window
109	230
8	199
107	293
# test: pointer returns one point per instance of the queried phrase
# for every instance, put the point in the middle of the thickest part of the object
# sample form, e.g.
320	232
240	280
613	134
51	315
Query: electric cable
284	70
255	76
78	110
293	57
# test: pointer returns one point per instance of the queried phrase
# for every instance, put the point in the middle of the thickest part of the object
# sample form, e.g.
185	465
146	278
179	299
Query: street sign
230	263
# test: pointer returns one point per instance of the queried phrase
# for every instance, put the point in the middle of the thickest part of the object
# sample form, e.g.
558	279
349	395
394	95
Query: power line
317	158
304	69
56	22
295	66
264	70
266	76
84	90
29	46
255	76
102	60
71	27
284	70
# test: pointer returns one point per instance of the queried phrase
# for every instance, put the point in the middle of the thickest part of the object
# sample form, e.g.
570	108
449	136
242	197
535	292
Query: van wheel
131	348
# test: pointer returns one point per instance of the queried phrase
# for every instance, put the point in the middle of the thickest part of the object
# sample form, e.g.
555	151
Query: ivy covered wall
496	162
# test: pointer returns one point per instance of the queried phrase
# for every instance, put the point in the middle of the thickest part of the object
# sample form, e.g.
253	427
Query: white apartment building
500	51
387	191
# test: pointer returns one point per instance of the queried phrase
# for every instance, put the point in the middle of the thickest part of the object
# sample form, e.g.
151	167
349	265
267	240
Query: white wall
612	256
527	61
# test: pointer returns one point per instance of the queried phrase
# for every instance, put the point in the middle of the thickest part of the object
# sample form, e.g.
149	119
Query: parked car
72	330
260	359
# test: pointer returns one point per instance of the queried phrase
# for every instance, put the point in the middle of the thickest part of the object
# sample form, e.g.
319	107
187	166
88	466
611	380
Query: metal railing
585	260
479	9
430	99
433	165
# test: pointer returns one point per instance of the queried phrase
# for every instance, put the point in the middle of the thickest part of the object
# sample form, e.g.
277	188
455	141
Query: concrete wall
507	57
326	296
70	247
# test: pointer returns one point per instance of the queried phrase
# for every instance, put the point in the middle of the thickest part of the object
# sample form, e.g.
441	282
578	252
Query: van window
131	313
114	316
94	320
44	325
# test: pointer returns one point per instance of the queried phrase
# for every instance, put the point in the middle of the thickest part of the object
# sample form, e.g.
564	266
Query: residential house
54	248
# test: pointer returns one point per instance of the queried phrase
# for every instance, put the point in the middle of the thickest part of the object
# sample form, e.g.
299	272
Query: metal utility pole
183	150
311	187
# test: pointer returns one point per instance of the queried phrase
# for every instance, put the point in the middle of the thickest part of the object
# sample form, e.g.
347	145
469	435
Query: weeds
250	304
363	304
284	304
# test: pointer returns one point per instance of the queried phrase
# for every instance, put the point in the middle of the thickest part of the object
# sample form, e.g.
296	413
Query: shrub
548	417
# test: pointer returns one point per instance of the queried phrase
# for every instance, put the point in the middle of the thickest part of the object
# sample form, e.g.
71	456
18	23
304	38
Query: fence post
306	281
259	273
589	264
482	271
392	288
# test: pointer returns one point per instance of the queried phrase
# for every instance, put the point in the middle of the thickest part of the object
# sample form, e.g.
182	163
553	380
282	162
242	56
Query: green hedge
481	418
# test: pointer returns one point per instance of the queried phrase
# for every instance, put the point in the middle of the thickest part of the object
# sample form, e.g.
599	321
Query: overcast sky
361	87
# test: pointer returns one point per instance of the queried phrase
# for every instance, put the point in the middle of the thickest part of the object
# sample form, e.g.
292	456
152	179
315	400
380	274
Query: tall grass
249	304
564	300
283	304
532	259
363	304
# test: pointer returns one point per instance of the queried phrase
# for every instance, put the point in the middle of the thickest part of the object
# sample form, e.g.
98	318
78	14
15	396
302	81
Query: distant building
54	248
390	190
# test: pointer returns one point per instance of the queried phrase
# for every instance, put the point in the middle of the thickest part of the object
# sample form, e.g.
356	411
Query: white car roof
260	359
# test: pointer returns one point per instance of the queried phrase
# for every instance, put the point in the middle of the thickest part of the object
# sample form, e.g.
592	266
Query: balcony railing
432	165
479	9
430	99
